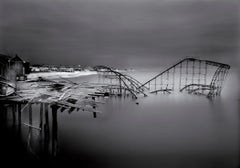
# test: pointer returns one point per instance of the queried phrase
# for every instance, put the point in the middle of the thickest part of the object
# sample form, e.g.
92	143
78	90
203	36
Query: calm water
176	130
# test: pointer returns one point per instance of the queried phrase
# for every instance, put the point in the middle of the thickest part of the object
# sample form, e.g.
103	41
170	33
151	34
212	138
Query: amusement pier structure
194	76
201	77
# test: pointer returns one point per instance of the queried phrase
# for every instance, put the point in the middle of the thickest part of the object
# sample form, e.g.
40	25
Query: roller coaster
194	76
115	82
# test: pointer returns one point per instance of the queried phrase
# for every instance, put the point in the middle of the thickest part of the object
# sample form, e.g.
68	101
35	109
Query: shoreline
54	75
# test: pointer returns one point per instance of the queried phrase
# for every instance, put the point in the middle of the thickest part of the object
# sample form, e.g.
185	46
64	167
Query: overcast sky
120	33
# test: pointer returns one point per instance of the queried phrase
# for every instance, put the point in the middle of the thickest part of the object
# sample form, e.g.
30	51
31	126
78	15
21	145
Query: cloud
118	33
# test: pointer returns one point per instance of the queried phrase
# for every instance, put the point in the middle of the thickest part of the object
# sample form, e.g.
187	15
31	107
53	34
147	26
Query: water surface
176	130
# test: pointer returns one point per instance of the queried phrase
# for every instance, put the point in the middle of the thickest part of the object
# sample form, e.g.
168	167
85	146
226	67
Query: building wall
18	67
3	70
12	68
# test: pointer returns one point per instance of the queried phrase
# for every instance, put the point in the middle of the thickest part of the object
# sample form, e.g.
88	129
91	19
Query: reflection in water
161	130
47	145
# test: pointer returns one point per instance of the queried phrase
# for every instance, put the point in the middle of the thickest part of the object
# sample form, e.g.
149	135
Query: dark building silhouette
4	65
13	68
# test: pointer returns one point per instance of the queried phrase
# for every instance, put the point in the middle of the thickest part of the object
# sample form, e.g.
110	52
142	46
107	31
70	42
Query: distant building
89	68
39	68
13	68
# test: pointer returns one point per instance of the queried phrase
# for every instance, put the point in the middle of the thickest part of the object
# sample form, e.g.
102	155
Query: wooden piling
19	114
41	116
41	127
94	113
54	130
3	116
19	120
14	113
94	107
30	114
46	131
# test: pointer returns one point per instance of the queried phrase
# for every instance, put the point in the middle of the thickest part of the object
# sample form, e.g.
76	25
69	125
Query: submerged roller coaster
189	75
115	82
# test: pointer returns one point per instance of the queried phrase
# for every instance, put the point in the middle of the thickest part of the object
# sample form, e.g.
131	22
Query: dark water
176	130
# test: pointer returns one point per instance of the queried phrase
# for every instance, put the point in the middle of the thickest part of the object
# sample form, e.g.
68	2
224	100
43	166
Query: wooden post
14	114
30	114
3	116
46	131
19	114
46	114
54	130
19	120
94	113
41	127
41	116
94	107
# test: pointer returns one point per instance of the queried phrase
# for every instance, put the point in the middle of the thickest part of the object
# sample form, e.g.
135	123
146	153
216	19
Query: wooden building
13	68
4	65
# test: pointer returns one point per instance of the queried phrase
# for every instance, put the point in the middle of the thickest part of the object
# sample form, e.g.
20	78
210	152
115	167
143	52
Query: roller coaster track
125	83
194	75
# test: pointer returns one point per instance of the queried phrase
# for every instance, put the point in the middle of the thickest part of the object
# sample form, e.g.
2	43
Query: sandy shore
54	75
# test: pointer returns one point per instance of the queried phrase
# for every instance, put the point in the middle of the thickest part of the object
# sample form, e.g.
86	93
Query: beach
54	75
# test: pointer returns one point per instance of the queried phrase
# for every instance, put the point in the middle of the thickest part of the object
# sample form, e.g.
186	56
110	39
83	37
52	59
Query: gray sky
119	33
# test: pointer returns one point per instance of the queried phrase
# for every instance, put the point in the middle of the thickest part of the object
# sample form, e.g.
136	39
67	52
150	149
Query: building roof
4	59
17	58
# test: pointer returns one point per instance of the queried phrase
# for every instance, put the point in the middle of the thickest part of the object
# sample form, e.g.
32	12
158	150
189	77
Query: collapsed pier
194	76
